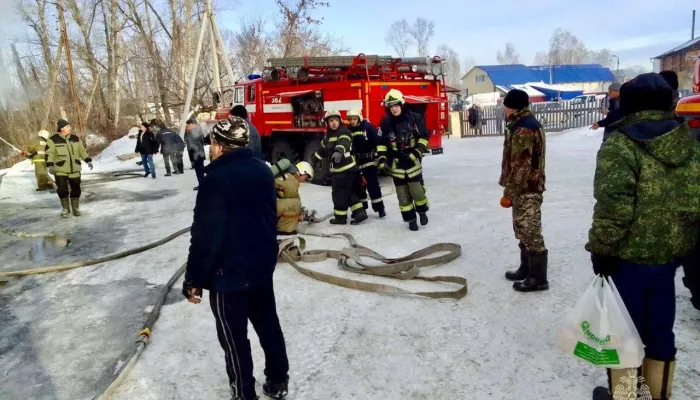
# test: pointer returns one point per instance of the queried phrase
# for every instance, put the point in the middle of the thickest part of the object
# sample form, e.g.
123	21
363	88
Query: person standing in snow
364	146
523	182
36	151
64	153
647	191
255	143
233	253
147	145
345	175
612	113
287	181
403	138
170	145
194	138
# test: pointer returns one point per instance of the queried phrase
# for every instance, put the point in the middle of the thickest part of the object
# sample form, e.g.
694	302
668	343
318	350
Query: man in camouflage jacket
647	191
522	179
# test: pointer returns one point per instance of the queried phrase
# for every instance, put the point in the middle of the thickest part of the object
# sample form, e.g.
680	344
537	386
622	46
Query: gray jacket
254	141
194	139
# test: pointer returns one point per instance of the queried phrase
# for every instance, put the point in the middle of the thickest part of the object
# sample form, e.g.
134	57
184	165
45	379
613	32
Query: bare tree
541	58
565	48
454	72
510	56
603	57
296	25
469	63
252	45
422	31
399	37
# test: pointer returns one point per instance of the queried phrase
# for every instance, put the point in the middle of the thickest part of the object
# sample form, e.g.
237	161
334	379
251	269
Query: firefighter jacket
288	202
64	155
402	142
364	143
338	141
37	150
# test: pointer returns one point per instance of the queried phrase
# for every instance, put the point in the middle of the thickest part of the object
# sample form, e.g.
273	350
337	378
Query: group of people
646	221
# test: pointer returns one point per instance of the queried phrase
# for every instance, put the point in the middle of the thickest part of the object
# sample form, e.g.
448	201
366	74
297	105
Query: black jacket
170	142
402	142
146	143
614	115
338	141
234	231
364	142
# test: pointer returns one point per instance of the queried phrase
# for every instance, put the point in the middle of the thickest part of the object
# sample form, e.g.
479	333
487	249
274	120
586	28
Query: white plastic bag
600	331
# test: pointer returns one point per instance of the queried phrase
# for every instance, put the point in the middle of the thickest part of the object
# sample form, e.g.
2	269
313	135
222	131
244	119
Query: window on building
480	78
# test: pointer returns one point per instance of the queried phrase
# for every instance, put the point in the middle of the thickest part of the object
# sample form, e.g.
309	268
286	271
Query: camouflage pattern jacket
647	191
522	168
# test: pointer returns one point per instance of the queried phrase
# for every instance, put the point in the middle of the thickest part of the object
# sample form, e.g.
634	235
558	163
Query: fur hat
644	93
516	99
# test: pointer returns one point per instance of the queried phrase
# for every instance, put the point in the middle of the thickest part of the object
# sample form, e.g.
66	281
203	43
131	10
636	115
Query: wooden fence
554	116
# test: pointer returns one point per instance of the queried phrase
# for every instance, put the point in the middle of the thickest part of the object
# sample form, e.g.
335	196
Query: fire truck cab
689	107
287	102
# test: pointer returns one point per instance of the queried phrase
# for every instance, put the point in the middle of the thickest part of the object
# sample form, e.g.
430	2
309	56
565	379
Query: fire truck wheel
283	149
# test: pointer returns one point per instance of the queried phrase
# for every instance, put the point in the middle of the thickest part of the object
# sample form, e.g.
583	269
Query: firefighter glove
603	264
337	157
90	165
506	202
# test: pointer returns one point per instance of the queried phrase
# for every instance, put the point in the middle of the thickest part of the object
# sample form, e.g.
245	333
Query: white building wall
587	87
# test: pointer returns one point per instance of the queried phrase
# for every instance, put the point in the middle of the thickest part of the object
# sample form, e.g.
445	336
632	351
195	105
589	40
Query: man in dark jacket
194	138
403	139
364	147
171	146
645	220
255	142
147	146
612	113
233	253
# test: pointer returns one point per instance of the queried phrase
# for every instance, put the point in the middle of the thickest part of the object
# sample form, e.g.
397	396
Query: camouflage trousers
527	221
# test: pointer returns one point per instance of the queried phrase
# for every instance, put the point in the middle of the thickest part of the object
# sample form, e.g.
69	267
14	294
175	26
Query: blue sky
634	30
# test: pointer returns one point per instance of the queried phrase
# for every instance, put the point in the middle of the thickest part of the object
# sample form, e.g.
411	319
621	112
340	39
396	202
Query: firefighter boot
618	379
413	225
382	213
658	376
337	220
359	216
75	205
537	277
524	268
423	218
65	203
274	390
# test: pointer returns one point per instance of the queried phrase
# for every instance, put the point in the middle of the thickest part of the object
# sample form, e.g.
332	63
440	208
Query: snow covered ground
63	335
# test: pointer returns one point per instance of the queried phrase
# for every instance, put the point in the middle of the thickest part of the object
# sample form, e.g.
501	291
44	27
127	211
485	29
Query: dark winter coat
524	150
402	142
254	141
194	138
170	142
146	143
614	115
364	143
234	231
338	141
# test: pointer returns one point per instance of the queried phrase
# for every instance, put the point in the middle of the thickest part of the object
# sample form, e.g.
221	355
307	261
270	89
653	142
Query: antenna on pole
69	62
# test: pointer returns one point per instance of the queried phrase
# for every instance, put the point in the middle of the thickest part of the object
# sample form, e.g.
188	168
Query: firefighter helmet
231	132
305	169
355	112
332	113
393	97
44	134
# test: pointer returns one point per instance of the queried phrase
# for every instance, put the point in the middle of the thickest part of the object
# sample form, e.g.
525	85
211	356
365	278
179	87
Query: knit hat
192	120
231	132
671	78
145	124
516	99
62	123
644	93
615	86
239	111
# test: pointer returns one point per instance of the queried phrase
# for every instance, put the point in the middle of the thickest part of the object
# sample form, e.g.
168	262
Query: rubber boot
423	218
360	216
524	268
382	213
622	381
277	391
413	225
65	203
75	205
658	376
537	277
339	220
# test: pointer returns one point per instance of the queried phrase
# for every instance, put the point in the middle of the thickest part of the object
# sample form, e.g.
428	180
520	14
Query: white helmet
355	112
332	113
44	134
305	169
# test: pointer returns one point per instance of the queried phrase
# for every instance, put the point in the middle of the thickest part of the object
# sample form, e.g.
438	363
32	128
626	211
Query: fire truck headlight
414	68
437	69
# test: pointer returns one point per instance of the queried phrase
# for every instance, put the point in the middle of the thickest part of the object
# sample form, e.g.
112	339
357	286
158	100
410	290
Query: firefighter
345	175
403	138
36	151
364	146
287	182
64	154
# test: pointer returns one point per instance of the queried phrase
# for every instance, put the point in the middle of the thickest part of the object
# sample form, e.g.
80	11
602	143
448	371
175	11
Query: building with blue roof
589	78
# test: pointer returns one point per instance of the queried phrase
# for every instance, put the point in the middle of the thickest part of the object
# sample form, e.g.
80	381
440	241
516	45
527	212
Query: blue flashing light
253	76
384	87
423	86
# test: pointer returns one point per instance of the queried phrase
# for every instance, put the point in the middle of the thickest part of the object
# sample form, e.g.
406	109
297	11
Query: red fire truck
288	101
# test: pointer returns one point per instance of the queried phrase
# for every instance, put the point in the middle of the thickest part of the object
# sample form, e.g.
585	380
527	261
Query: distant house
680	59
489	78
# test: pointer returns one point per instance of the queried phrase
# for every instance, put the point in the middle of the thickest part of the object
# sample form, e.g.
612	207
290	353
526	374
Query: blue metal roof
518	74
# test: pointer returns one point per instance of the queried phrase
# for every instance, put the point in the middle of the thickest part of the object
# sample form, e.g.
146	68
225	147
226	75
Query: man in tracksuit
403	138
64	154
345	175
364	147
171	146
233	253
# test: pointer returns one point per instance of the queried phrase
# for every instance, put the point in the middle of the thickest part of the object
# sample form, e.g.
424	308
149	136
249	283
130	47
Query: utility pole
692	31
69	62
